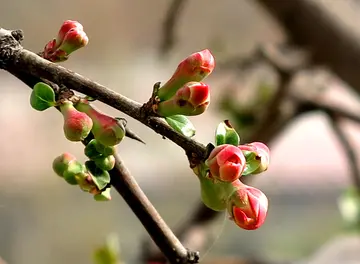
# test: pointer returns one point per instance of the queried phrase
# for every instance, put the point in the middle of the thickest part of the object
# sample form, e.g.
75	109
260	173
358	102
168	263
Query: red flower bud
257	156
226	163
71	37
77	125
247	206
65	28
192	99
194	68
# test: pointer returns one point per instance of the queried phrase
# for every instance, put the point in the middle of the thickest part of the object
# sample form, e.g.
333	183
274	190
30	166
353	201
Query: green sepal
42	97
226	134
105	163
252	163
91	150
181	124
214	194
103	196
100	177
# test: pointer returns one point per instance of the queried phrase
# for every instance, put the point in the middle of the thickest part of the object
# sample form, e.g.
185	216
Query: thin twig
169	25
162	235
348	149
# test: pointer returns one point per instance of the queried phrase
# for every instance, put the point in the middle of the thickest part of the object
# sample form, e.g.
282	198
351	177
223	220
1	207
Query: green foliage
42	97
181	124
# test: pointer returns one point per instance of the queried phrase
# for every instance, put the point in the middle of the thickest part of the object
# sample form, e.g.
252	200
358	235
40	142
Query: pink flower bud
226	163
71	37
194	68
247	206
65	28
107	130
73	40
192	99
257	156
77	125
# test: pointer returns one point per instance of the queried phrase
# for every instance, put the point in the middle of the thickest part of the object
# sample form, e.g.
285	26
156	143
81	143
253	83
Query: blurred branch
308	105
348	149
28	67
168	38
327	29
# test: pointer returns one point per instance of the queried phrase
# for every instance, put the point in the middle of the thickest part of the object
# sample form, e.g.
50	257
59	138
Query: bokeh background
43	220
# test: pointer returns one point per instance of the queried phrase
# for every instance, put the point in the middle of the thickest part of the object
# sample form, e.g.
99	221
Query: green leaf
181	124
349	206
100	177
252	163
108	253
226	134
42	97
103	196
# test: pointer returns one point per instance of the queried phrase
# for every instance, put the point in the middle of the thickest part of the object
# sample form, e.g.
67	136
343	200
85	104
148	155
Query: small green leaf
100	177
226	134
349	205
108	253
252	163
181	124
103	196
42	97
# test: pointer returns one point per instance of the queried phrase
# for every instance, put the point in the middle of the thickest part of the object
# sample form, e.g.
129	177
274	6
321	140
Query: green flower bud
105	163
61	163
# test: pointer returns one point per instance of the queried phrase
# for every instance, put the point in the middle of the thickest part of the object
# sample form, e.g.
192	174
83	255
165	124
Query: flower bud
105	162
75	168
226	163
65	28
226	134
247	206
192	99
91	151
61	163
107	130
215	194
73	40
257	156
77	125
85	181
71	37
194	68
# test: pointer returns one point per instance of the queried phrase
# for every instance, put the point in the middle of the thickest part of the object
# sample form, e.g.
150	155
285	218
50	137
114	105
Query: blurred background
44	220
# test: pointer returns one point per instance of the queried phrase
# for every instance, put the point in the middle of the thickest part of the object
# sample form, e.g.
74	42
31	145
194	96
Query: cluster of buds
220	177
89	177
70	38
184	93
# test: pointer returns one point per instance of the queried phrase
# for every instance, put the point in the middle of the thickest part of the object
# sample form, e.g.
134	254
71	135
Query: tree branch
328	29
121	179
16	60
164	238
